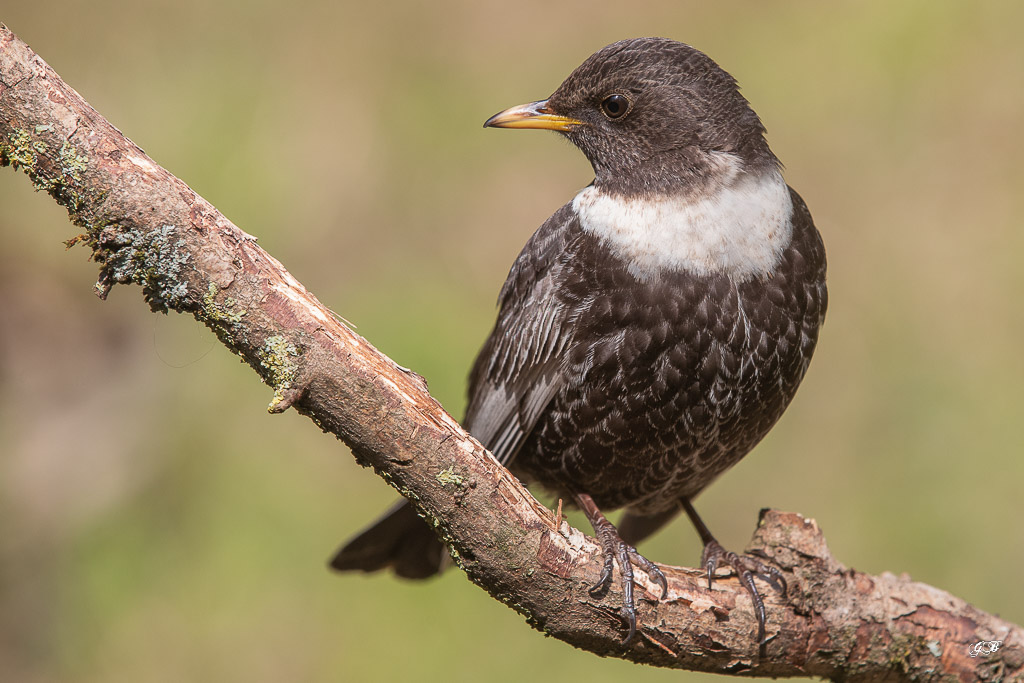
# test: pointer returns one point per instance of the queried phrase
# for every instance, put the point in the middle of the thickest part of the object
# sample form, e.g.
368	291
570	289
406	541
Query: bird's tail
400	540
634	527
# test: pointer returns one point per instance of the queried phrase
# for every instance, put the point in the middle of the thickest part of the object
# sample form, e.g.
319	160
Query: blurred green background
158	525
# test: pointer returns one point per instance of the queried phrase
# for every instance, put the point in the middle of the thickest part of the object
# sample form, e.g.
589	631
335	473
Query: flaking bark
147	227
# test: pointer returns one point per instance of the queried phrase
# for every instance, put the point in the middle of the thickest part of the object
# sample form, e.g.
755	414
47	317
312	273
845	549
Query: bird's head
653	116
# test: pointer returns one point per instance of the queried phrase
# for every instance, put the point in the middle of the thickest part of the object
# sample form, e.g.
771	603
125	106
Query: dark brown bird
655	327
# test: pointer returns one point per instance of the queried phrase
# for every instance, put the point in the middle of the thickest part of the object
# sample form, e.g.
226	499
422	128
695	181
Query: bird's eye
615	106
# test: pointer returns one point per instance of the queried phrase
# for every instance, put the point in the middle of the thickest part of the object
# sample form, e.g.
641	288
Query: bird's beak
532	115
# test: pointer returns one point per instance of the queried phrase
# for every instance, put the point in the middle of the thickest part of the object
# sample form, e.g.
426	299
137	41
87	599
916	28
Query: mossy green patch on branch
448	477
72	164
21	150
153	259
215	312
62	176
17	150
276	357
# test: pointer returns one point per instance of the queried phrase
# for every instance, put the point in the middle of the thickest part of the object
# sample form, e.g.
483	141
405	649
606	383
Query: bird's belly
659	407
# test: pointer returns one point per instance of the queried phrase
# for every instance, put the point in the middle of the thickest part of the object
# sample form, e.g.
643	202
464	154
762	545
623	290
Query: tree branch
147	227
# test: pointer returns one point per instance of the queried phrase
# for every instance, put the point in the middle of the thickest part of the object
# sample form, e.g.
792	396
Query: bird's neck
738	225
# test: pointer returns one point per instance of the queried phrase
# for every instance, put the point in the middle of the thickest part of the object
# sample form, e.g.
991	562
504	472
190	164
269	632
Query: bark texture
147	227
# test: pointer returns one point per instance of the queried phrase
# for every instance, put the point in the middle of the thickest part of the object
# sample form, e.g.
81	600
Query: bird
654	328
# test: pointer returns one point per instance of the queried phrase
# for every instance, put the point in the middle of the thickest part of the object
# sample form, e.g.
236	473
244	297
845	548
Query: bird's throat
740	229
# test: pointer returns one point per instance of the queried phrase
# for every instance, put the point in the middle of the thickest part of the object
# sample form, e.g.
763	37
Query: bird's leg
613	547
745	566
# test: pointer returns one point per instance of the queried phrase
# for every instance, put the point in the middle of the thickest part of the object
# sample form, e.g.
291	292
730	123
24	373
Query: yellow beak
532	115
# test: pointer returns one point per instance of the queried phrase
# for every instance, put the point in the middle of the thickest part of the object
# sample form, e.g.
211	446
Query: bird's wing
519	369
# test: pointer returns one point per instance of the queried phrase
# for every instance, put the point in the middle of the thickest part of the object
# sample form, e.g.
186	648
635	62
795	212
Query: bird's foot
614	548
746	568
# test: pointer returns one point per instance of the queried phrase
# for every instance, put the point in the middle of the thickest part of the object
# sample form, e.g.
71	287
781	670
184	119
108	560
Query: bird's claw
614	548
746	568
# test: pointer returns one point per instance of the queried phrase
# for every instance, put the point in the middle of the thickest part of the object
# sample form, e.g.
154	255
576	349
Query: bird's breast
740	229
